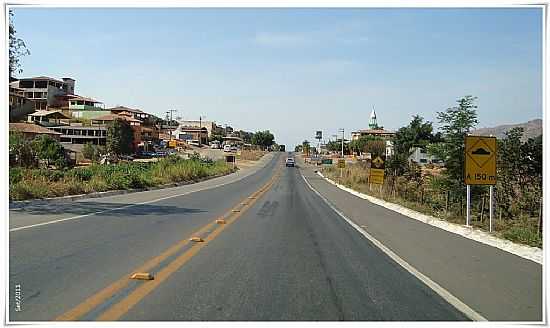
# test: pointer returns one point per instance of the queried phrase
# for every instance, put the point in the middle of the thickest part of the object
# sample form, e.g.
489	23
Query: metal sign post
467	205
490	208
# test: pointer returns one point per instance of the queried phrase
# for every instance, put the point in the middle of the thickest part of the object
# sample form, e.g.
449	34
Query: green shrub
16	175
39	183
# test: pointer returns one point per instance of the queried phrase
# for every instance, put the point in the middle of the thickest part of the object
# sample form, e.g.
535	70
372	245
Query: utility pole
170	111
200	130
342	130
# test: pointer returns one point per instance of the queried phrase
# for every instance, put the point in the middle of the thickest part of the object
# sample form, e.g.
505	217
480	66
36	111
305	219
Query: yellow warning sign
378	162
376	172
341	163
480	167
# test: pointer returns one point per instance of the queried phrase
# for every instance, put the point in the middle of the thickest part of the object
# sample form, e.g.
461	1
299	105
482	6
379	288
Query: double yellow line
119	309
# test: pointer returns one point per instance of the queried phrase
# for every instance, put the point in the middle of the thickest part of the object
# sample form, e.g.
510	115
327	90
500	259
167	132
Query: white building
421	157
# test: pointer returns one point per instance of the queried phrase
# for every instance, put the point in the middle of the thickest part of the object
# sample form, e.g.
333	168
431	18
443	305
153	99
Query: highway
290	247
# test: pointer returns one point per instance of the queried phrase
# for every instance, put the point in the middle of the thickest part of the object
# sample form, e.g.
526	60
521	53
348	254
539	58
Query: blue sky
294	71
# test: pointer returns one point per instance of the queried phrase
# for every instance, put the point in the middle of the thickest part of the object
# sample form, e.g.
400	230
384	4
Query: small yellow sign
341	163
378	163
376	176
480	167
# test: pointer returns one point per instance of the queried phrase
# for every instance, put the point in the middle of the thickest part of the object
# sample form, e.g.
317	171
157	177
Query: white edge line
131	205
527	252
446	295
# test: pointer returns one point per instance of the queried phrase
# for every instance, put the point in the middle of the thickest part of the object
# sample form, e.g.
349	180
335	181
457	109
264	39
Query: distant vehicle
282	148
230	148
289	162
145	154
193	143
215	145
161	153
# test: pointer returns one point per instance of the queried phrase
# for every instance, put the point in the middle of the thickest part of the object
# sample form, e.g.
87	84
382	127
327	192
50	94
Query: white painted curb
531	253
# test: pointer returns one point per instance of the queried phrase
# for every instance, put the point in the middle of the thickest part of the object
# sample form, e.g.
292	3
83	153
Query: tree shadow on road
81	208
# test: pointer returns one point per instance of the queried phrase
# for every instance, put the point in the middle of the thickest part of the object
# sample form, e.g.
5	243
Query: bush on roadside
26	183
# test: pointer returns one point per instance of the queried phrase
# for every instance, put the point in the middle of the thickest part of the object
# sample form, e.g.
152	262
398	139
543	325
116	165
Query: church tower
372	120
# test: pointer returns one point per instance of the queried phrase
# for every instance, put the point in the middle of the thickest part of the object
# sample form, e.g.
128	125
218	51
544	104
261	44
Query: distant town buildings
45	105
375	130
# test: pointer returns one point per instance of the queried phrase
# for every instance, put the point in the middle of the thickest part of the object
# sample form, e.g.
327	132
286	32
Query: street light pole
342	130
170	122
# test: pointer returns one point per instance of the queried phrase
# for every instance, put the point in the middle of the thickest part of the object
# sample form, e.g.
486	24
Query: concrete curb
531	253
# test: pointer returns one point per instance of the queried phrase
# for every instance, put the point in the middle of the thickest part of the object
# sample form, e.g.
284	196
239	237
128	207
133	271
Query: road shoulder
508	287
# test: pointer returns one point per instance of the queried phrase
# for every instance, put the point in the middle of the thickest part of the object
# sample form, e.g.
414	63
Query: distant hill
531	129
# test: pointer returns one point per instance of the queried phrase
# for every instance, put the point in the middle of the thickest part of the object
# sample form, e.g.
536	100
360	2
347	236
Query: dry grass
251	155
522	230
42	183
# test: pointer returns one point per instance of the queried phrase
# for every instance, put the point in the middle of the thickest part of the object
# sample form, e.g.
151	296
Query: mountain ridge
531	129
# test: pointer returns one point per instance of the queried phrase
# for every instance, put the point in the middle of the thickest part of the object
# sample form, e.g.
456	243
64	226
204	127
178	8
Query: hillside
531	129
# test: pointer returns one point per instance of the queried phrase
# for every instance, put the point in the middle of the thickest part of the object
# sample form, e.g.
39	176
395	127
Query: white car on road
230	148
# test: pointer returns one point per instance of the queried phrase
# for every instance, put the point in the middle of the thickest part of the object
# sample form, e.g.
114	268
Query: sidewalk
498	285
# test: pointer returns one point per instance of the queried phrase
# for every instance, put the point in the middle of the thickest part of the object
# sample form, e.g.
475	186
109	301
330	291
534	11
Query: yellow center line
93	301
122	307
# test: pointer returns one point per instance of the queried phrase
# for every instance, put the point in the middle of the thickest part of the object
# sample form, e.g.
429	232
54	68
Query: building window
26	84
41	84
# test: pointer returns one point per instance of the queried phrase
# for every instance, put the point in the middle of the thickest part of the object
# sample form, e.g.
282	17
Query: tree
305	147
120	137
359	145
456	122
376	147
21	152
17	48
92	152
417	134
334	145
49	150
245	135
263	139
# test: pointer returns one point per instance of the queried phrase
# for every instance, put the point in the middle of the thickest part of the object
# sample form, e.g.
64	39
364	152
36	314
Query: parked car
289	162
229	148
145	154
193	143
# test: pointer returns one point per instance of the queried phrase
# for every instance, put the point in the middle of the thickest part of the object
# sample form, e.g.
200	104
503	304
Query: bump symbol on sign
378	162
480	153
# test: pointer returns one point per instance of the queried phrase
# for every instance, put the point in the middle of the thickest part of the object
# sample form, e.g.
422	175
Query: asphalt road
282	254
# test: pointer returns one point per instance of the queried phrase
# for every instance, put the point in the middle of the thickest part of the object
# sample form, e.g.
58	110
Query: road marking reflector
197	239
220	221
142	276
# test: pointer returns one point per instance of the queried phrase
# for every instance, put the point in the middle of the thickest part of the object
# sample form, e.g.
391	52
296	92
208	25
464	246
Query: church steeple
372	120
